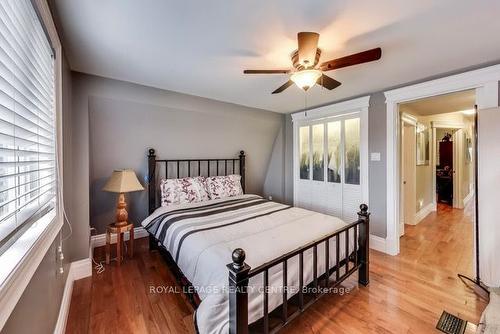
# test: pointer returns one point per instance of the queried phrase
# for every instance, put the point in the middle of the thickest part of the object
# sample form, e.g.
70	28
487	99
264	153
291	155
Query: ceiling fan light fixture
305	79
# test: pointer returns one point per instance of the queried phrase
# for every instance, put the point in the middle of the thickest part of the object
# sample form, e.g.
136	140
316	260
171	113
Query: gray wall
377	169
118	121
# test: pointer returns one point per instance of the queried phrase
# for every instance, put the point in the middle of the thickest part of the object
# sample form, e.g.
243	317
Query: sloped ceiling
201	47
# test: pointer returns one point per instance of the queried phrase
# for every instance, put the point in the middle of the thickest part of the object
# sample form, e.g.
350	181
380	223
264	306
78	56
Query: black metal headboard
191	167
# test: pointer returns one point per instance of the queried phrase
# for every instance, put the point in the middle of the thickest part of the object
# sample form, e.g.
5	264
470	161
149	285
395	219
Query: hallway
444	240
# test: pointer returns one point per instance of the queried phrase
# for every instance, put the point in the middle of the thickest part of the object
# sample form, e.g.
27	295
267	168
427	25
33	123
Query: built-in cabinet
331	160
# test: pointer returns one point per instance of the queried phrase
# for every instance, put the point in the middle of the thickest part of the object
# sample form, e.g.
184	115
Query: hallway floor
444	239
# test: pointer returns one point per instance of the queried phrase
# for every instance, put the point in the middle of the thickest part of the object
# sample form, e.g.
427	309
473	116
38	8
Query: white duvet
202	236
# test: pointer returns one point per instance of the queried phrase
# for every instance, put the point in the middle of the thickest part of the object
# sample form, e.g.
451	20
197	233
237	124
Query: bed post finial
238	294
242	169
151	152
364	245
239	257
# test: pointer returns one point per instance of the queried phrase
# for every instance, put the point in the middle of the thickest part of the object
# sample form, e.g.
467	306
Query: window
352	141
341	149
27	118
317	157
304	152
334	152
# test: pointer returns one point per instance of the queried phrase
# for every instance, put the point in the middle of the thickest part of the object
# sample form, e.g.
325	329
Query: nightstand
119	230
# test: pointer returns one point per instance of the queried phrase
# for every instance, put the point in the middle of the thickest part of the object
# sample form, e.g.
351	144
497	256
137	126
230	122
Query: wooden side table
119	230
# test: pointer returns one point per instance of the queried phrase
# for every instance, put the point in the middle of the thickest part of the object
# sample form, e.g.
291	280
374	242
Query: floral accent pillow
185	190
224	186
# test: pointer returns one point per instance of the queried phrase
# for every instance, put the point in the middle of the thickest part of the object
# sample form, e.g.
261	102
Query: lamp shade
123	181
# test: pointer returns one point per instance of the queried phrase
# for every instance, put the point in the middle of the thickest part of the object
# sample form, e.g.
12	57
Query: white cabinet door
328	166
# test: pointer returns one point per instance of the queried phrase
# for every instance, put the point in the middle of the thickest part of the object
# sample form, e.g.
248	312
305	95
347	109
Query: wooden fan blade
327	82
308	44
283	87
354	59
266	71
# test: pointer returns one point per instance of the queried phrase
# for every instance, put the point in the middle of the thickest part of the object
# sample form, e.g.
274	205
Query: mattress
201	237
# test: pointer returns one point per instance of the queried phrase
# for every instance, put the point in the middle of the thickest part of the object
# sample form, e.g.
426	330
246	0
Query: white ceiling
441	104
202	47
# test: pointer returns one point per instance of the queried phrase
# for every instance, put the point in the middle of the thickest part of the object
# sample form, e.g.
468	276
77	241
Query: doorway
437	181
408	172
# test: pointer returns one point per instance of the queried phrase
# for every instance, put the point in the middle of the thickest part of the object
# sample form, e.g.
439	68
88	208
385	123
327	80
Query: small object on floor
450	324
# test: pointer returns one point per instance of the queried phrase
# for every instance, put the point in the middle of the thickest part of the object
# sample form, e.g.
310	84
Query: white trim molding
468	197
378	243
484	81
99	240
77	270
344	107
447	125
424	212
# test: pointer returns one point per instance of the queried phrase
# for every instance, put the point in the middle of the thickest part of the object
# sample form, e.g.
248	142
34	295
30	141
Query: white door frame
359	105
484	81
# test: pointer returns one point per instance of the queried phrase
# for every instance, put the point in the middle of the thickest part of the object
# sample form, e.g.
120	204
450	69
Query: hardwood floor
407	293
444	240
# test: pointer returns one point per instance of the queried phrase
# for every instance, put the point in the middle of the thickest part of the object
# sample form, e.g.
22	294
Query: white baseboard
77	270
468	197
377	243
422	213
100	239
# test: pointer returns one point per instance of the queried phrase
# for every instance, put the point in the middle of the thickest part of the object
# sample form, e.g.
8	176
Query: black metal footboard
240	273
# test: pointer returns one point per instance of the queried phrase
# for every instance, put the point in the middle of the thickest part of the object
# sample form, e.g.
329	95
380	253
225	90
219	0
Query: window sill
21	260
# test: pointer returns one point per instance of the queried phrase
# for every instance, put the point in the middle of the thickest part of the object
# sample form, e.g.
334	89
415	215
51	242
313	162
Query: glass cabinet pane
304	152
352	141
334	152
318	132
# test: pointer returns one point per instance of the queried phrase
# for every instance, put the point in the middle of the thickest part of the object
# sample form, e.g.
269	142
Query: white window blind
27	117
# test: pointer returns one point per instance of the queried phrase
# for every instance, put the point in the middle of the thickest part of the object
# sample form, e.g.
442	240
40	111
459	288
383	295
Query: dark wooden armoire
444	172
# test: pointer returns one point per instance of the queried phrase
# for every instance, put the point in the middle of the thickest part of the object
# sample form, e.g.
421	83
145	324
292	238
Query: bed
248	264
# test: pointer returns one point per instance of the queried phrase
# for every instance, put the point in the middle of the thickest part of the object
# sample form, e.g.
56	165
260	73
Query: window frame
31	247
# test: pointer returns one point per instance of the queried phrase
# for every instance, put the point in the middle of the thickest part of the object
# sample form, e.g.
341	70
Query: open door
408	176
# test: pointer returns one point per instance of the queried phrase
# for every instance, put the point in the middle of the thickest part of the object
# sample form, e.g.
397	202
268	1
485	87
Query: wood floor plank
407	293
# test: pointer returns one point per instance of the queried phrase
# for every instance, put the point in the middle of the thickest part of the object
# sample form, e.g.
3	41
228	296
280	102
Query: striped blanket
201	237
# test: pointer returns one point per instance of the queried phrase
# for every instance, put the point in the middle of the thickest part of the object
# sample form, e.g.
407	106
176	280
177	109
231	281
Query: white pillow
224	186
181	191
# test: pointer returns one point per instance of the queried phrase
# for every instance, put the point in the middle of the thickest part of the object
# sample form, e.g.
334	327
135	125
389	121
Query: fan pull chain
305	103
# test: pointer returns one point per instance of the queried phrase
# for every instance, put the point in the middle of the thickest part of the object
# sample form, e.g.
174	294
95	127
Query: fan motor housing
298	66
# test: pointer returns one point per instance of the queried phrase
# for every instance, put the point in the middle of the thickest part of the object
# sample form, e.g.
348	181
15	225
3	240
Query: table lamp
122	181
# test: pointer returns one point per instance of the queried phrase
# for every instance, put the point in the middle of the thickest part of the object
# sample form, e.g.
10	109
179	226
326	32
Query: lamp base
121	211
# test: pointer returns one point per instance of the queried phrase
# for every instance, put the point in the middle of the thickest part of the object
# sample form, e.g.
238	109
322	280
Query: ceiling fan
305	59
